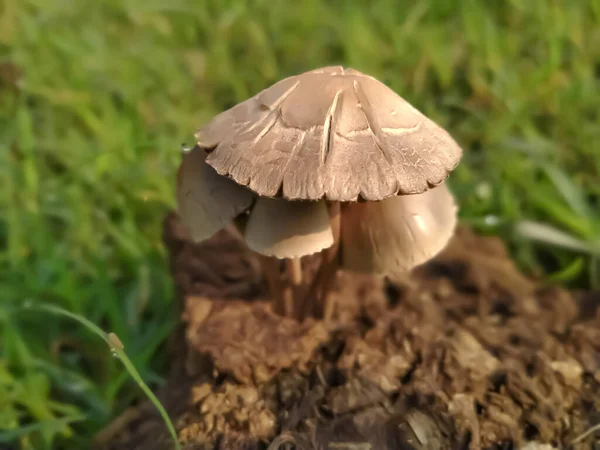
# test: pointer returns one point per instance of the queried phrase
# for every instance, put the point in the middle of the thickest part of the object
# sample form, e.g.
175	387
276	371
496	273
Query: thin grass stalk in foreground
118	350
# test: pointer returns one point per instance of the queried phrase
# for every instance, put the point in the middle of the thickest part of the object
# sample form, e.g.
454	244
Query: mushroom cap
394	235
288	229
330	133
206	201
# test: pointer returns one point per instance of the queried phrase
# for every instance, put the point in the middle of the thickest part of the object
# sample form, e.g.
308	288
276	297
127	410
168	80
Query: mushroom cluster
330	161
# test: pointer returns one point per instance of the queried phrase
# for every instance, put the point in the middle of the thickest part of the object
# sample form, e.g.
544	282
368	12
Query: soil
462	353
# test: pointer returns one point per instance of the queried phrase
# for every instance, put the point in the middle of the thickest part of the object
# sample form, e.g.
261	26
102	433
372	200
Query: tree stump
462	353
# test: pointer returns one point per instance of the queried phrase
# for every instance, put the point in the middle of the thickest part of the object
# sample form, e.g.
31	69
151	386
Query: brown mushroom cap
330	133
285	229
206	201
394	235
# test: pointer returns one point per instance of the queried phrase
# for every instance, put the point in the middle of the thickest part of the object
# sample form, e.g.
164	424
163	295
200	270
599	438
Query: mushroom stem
317	297
294	270
294	266
327	303
270	268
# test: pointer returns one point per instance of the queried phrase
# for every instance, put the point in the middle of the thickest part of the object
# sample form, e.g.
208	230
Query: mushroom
329	161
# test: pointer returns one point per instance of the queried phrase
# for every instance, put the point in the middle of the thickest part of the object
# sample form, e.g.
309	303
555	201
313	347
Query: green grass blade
118	350
552	236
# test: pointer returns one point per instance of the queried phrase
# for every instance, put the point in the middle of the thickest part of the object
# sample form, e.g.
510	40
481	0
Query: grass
97	96
117	350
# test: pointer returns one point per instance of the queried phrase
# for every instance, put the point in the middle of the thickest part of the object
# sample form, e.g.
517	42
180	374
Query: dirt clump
462	353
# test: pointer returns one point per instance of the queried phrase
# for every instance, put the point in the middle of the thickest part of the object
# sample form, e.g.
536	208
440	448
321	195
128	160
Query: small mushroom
399	233
206	201
329	161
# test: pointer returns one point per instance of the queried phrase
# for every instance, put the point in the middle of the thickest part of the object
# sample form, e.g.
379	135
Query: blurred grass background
96	98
